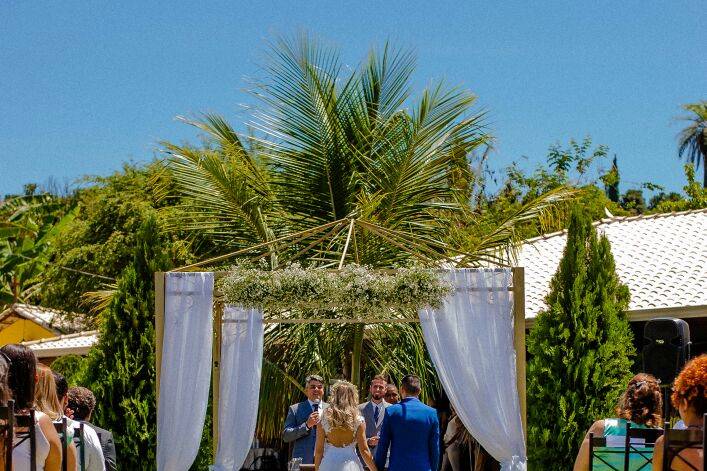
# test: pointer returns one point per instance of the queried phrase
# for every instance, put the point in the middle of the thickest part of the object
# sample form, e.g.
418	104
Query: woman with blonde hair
341	428
47	401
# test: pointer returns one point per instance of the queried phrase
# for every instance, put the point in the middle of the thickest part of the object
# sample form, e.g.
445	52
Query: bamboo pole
257	246
346	245
519	342
216	372
159	328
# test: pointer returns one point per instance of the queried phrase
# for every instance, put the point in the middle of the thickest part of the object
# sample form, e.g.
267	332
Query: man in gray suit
373	410
302	419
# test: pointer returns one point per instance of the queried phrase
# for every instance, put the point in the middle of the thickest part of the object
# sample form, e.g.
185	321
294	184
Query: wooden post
216	371
159	327
519	342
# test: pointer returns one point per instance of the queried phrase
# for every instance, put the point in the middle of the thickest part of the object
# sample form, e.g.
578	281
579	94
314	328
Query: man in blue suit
302	420
411	431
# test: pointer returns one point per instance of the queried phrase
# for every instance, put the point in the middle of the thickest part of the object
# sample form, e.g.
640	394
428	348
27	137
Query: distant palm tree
378	175
692	140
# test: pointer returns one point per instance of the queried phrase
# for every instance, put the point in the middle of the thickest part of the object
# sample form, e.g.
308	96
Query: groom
411	431
302	420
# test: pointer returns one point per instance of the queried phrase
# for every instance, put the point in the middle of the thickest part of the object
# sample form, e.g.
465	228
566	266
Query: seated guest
93	453
690	399
47	401
641	404
82	402
21	380
302	419
391	394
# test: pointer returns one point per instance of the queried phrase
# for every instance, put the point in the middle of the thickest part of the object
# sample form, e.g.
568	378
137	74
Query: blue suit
296	431
411	430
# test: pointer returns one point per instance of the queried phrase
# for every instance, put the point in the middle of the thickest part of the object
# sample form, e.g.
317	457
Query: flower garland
355	288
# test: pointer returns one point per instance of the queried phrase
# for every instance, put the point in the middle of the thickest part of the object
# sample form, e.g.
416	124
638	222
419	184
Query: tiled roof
662	258
51	319
76	344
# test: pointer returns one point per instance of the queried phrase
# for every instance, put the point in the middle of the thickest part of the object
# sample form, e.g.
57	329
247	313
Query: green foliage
72	367
28	226
101	237
566	167
580	349
352	288
696	196
120	369
633	201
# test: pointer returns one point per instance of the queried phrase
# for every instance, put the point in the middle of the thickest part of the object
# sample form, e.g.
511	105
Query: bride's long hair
342	409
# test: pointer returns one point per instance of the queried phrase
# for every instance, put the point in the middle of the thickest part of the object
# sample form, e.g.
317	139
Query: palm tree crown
692	141
347	168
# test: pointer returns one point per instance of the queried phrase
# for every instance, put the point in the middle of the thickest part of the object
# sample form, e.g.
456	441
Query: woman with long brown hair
341	428
641	404
21	380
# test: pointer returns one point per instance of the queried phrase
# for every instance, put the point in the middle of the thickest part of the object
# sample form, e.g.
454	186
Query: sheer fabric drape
185	371
470	340
241	364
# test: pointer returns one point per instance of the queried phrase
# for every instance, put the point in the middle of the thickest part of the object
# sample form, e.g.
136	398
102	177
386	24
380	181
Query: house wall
23	330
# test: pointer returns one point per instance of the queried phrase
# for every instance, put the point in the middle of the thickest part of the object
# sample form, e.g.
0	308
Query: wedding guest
302	418
690	399
391	394
373	410
462	451
93	454
47	401
81	402
21	380
4	397
641	404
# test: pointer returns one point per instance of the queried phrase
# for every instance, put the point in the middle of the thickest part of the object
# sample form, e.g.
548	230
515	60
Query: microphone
315	406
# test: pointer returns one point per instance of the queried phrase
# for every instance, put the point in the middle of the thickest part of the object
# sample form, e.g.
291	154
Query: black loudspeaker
666	348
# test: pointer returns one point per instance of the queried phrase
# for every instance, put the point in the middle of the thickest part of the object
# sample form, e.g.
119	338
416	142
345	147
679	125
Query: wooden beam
519	342
159	327
216	372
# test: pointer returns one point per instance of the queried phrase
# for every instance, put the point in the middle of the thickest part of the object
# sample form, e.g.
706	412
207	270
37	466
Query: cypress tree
580	348
120	369
611	182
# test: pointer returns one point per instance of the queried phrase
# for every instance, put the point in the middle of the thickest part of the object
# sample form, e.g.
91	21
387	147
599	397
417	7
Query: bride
339	431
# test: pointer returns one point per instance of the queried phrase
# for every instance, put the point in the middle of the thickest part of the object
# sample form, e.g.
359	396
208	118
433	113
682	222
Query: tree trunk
356	354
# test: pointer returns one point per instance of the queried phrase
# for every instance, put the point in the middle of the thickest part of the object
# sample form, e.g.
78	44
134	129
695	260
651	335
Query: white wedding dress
340	458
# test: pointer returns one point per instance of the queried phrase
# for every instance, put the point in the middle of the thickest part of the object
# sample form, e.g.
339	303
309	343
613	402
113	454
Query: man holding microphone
302	420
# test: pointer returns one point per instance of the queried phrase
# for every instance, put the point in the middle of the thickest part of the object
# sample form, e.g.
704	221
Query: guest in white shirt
93	452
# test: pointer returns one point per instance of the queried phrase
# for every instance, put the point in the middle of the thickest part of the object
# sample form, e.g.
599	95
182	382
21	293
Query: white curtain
241	363
470	340
185	372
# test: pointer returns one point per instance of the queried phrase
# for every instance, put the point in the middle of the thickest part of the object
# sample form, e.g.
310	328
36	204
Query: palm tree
692	141
346	168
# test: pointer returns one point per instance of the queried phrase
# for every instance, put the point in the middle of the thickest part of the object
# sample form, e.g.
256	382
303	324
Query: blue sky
86	86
